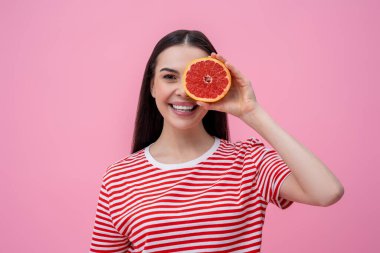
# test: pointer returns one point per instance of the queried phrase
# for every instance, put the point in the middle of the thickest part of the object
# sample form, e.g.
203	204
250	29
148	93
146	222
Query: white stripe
230	206
161	232
211	243
131	201
194	222
175	176
211	236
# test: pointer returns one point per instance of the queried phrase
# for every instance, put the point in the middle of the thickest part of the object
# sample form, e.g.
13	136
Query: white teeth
185	108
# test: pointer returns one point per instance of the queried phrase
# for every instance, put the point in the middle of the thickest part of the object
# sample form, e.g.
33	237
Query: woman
186	187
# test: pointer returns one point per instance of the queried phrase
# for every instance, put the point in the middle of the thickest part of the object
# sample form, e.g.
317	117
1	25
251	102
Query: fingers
209	106
218	57
224	60
234	71
204	105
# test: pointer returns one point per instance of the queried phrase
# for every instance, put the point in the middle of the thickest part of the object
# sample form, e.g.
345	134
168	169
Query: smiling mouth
184	108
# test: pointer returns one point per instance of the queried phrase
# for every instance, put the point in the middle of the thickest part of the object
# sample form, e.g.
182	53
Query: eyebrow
170	70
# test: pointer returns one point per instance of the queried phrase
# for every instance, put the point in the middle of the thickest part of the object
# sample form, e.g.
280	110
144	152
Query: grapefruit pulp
206	79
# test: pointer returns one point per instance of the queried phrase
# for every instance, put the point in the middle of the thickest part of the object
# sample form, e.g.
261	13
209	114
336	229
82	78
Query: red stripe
219	205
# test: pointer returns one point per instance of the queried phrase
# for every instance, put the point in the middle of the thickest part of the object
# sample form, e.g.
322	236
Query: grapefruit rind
203	99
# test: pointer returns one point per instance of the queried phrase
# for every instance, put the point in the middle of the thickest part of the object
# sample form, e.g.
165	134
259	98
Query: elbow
334	197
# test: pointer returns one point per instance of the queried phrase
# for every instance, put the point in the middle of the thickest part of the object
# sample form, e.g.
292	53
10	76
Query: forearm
312	175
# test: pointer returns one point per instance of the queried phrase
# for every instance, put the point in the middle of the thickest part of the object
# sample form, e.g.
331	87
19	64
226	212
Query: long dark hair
149	121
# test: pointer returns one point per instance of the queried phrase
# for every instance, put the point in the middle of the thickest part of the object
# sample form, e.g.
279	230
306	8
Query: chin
184	124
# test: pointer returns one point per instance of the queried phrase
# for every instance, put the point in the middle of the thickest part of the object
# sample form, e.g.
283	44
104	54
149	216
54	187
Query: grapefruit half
206	79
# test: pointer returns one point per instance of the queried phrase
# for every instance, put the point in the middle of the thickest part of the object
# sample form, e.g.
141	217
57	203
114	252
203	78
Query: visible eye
170	77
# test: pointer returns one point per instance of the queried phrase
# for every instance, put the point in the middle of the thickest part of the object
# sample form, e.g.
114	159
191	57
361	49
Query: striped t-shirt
214	203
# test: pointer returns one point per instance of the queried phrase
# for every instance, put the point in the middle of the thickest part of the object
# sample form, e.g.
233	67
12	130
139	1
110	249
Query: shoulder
241	150
246	144
123	167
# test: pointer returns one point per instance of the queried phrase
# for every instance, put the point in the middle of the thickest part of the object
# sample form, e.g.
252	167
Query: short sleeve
105	237
271	172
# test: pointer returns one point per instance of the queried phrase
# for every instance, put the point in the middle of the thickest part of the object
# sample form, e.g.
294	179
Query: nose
181	91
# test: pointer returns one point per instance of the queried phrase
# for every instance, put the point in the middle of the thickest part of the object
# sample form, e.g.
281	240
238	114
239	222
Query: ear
152	91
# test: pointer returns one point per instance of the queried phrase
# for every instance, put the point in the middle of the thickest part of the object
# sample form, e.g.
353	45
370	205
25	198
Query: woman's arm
310	182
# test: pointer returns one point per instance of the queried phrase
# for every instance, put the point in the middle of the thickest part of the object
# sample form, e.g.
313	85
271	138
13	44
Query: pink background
70	77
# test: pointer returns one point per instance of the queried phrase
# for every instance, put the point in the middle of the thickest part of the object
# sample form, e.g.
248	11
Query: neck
177	141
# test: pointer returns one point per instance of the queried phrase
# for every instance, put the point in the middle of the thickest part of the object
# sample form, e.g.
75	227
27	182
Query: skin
182	138
311	182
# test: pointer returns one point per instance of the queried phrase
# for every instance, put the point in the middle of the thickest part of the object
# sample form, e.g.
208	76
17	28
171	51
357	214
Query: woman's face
177	109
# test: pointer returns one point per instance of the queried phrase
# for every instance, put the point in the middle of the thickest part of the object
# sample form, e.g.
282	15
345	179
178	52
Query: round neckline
191	163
